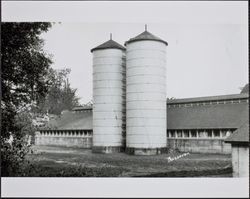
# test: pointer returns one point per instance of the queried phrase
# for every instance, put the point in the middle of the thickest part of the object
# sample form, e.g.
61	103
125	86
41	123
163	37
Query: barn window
235	102
223	133
209	133
202	133
186	133
193	133
179	133
216	133
228	133
172	134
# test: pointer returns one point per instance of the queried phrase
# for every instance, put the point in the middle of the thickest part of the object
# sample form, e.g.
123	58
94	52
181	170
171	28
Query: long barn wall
192	145
65	140
201	145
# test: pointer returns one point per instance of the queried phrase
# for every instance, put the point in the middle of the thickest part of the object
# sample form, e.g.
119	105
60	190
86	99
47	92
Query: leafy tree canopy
24	63
60	95
23	80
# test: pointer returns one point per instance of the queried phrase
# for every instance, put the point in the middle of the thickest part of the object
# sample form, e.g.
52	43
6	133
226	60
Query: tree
60	95
24	68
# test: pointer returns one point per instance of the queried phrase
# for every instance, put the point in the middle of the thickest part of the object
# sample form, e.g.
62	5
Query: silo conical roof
109	44
145	36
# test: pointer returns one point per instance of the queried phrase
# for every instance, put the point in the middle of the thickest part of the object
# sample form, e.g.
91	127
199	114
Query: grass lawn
71	162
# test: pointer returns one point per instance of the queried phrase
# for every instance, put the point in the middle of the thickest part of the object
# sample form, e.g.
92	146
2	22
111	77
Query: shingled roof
81	108
209	98
69	120
145	36
207	116
193	117
110	44
241	135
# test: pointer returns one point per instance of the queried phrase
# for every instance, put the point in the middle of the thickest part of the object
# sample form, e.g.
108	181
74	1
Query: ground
72	162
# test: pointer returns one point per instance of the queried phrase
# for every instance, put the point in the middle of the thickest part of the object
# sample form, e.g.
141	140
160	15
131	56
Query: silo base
145	151
107	149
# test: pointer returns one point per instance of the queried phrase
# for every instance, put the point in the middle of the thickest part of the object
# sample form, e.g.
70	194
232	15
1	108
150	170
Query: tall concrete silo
108	97
146	95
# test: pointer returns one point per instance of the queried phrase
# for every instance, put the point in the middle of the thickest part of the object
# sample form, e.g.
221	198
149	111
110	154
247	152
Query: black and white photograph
123	90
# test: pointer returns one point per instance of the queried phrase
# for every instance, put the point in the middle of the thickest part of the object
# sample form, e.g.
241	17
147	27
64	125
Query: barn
199	125
130	112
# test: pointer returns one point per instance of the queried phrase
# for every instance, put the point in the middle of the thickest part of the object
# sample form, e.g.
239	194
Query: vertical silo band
108	97
146	95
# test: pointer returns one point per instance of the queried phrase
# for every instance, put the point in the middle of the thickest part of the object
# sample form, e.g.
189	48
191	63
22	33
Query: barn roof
109	44
241	135
227	115
80	120
81	108
145	36
207	116
209	98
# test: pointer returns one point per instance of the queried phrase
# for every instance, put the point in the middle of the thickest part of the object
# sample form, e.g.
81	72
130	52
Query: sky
208	41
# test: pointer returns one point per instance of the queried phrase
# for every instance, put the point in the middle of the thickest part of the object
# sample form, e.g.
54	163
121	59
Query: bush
13	157
16	147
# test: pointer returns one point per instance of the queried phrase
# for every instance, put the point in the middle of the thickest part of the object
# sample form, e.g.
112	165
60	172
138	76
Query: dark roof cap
145	36
107	45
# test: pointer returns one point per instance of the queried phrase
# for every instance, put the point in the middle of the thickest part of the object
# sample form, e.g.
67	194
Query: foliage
24	69
25	64
15	148
60	96
13	156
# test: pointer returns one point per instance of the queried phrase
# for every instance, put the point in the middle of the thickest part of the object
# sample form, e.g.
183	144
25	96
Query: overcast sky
208	44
